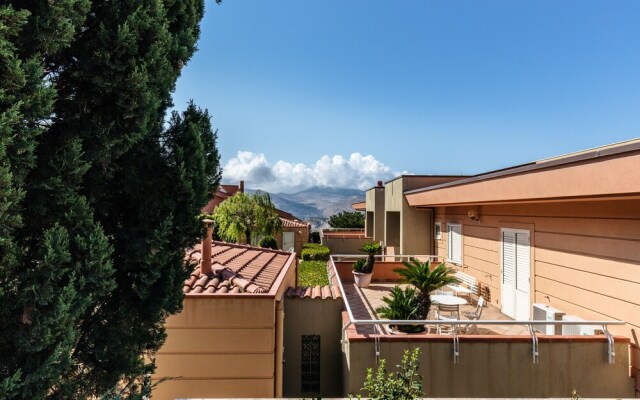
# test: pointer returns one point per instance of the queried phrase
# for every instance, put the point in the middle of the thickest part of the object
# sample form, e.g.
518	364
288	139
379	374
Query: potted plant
363	268
402	304
361	275
426	280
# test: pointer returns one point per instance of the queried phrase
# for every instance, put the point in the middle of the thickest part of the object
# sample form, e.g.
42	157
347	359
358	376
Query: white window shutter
523	254
455	243
509	258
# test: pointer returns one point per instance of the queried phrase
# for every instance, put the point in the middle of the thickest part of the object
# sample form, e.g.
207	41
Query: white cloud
357	171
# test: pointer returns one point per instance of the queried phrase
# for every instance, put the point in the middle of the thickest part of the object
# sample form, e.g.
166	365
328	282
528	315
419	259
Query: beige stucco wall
344	244
218	347
585	255
408	229
313	317
375	199
502	368
416	236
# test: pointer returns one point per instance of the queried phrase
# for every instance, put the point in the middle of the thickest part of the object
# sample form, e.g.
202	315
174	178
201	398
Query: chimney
205	264
379	183
241	187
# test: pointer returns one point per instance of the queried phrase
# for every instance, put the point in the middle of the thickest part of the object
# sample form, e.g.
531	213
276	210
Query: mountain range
317	203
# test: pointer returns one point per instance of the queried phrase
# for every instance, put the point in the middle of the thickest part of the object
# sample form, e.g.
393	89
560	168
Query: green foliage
360	266
268	242
426	280
347	219
371	248
404	384
312	273
402	304
97	198
314	237
244	216
315	252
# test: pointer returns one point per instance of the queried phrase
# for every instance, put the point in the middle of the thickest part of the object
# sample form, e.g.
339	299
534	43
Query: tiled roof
236	269
290	223
331	291
219	196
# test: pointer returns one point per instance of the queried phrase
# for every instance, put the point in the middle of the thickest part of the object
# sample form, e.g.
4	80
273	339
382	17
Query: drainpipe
279	346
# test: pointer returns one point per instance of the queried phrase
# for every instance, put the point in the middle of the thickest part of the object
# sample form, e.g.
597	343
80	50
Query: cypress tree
97	198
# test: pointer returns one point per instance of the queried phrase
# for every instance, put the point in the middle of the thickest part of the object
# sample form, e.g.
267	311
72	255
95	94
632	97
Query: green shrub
314	237
315	252
360	266
312	273
268	242
402	304
405	384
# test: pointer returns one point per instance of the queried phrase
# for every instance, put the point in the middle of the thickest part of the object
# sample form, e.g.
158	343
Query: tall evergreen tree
97	199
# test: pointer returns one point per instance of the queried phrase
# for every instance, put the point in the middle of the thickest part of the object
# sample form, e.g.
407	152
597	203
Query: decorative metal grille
311	364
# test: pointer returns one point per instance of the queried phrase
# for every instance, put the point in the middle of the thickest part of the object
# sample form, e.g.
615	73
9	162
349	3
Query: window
454	247
311	364
437	231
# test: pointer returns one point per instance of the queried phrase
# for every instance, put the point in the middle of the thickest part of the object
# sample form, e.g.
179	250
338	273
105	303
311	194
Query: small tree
268	242
241	217
347	219
405	384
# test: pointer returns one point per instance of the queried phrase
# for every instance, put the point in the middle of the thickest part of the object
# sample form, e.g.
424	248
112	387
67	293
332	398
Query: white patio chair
475	314
447	312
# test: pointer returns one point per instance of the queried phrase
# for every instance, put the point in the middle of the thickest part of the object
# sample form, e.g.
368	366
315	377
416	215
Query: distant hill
317	203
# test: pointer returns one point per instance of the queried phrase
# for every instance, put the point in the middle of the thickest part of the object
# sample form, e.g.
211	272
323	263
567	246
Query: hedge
315	252
312	273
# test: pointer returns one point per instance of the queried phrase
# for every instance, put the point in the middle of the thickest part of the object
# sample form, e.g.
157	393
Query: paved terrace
364	302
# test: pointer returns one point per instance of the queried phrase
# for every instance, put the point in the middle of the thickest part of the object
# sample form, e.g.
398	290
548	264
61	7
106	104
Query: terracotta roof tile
236	269
330	291
292	223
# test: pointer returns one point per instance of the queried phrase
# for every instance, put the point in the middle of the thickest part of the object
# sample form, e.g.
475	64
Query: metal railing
456	323
386	257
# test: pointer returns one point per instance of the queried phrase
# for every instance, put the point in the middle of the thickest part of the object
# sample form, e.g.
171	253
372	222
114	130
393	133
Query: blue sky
439	87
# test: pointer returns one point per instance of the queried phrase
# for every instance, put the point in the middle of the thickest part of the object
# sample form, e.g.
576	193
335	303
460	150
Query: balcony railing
455	337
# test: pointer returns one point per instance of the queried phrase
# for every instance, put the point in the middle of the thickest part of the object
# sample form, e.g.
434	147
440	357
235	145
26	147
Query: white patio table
448	300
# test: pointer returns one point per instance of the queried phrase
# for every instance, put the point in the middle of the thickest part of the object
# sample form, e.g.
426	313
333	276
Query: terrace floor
364	301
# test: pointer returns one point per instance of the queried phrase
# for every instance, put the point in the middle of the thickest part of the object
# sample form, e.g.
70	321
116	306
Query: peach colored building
228	339
295	232
562	232
221	194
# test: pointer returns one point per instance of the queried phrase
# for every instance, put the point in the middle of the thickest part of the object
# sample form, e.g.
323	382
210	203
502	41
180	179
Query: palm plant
402	304
371	248
360	265
426	280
